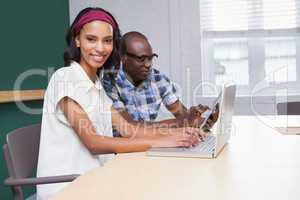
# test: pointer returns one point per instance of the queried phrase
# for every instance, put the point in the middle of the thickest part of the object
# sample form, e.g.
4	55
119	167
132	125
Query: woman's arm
98	144
132	129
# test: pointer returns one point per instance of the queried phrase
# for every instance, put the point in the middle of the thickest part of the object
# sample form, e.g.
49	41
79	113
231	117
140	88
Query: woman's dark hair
72	52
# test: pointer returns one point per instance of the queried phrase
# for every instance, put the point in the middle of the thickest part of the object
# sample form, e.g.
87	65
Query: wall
32	37
171	27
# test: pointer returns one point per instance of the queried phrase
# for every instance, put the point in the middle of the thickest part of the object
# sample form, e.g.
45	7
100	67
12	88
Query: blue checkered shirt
142	102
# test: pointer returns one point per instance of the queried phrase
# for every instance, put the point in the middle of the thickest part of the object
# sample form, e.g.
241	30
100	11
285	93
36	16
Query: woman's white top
61	151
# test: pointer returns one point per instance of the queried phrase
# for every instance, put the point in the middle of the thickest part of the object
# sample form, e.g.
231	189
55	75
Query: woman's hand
179	137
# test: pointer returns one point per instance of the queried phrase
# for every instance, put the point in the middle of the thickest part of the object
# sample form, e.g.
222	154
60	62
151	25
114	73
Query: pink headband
94	15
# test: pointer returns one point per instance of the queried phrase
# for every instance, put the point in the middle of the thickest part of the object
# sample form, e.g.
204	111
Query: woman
76	133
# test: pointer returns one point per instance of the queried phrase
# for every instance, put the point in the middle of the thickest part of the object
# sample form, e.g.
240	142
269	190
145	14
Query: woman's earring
77	42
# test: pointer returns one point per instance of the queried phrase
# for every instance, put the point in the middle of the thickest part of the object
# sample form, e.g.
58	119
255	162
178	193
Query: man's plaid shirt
142	102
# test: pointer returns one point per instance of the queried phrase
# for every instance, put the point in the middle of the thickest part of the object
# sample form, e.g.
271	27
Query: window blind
228	15
250	42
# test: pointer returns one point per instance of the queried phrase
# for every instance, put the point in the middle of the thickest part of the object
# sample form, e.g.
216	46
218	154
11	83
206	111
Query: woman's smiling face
95	41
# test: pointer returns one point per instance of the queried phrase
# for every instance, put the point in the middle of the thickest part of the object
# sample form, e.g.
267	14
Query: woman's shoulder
61	81
64	74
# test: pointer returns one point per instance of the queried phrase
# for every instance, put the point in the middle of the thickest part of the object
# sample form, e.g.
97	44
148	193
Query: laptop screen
207	114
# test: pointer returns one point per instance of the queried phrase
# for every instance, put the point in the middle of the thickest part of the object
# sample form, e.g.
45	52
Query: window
251	42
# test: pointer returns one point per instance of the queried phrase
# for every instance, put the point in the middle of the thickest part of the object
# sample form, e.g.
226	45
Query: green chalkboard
31	41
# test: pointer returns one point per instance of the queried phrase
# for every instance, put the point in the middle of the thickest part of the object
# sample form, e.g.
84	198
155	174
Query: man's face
137	60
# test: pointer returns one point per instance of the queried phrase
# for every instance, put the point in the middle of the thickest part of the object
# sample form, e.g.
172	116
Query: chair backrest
288	108
23	148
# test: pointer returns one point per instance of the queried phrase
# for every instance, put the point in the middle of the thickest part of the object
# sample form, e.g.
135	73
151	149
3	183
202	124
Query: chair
21	157
288	108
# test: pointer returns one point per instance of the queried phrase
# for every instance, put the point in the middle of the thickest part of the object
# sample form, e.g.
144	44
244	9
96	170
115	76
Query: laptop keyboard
206	146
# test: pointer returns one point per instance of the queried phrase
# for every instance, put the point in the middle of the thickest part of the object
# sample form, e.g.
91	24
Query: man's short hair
127	37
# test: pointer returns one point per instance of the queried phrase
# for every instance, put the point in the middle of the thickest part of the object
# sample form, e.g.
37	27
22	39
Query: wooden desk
258	164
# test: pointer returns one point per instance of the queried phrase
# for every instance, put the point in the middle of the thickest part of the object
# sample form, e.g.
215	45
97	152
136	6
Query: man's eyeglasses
143	58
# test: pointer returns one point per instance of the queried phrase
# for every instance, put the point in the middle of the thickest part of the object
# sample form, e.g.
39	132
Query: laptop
218	136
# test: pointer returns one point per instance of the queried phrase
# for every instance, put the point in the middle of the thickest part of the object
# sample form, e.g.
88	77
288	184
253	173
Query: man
138	90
